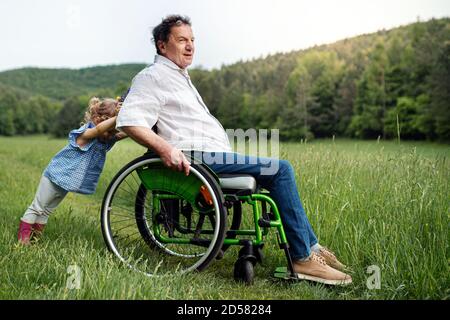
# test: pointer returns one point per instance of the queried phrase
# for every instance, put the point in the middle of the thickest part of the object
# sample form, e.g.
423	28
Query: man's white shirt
163	94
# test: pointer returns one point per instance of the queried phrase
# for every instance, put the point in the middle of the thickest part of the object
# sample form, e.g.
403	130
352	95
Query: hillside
62	83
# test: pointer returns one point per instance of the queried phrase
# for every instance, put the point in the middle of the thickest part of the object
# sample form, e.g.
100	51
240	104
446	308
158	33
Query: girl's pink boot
37	229
24	234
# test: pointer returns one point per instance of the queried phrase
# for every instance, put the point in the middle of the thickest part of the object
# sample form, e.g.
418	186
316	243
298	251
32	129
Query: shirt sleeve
143	103
74	134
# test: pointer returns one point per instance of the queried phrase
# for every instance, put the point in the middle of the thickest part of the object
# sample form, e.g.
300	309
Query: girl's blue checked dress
77	169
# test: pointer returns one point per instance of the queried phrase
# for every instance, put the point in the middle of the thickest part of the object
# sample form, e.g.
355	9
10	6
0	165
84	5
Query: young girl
76	168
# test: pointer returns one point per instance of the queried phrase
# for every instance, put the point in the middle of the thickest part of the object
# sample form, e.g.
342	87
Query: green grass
383	204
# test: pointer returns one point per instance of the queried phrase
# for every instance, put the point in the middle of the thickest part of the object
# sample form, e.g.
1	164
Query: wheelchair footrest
284	273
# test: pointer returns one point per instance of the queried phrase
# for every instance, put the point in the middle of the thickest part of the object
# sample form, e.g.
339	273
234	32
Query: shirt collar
169	63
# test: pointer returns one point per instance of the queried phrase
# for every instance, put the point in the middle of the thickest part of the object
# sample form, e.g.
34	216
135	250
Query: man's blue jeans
276	176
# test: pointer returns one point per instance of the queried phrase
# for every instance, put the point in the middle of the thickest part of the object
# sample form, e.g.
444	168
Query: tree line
391	84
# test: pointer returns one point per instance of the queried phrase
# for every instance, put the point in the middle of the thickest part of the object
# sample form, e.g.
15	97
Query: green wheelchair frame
154	200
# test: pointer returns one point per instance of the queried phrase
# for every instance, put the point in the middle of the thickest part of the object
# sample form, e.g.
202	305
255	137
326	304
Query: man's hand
175	160
171	157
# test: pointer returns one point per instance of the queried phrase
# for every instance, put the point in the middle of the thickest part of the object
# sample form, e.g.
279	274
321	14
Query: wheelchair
158	221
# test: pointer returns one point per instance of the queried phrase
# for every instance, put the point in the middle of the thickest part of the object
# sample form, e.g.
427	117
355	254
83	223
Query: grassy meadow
383	204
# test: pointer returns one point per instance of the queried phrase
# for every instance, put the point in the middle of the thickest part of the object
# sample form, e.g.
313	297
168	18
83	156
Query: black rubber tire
203	174
244	271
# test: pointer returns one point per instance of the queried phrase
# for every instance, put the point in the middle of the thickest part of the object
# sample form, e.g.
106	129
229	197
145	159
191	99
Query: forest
392	84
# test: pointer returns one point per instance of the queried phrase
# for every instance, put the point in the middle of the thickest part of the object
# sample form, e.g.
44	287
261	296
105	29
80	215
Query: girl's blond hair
101	109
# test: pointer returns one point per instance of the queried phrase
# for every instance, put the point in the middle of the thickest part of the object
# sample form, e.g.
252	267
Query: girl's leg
48	197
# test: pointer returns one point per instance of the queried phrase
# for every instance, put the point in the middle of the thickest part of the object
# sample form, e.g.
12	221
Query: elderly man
163	95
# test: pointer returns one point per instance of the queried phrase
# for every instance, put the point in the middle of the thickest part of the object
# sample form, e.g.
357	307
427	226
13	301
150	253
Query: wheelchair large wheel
160	221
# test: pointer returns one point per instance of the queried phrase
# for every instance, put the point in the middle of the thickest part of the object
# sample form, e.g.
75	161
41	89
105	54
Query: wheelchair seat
242	184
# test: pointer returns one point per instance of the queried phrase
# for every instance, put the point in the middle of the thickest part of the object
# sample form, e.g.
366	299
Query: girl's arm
92	133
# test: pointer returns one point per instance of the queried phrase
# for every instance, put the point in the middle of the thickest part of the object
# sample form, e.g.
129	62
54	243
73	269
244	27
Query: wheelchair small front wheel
244	271
159	221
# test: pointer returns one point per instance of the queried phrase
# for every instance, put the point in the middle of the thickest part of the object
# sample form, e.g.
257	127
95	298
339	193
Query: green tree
9	100
344	101
440	93
70	116
293	120
311	90
402	121
7	126
370	104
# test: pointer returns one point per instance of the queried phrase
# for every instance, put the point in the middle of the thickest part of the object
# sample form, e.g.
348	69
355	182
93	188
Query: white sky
80	33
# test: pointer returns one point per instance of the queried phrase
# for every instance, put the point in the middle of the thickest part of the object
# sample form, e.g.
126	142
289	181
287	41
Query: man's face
180	46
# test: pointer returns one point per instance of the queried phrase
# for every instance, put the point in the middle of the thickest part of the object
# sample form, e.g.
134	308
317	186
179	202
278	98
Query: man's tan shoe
330	259
316	269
